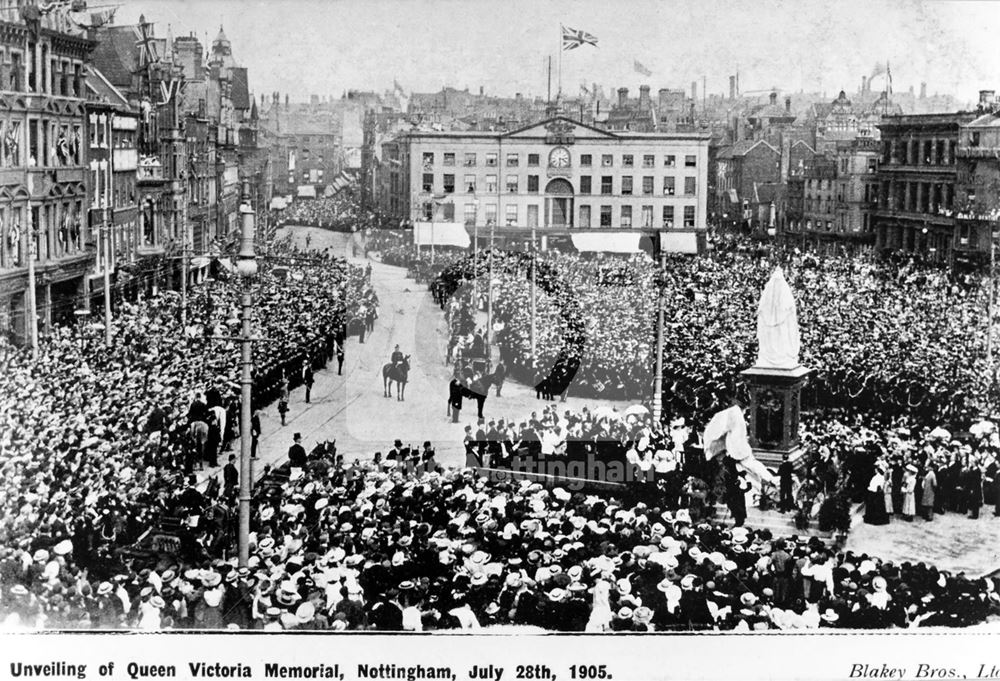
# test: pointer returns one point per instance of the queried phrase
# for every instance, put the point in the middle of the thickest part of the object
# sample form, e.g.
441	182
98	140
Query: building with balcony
559	176
113	171
977	193
917	177
43	167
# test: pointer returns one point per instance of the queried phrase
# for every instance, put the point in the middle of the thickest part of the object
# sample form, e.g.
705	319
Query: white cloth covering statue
777	325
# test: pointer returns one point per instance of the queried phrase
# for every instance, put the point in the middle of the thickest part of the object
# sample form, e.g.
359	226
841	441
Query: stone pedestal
773	421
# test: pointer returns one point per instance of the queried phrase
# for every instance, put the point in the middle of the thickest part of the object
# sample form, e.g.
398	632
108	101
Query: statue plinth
773	423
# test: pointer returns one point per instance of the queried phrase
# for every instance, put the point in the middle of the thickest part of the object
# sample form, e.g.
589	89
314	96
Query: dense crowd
94	441
399	548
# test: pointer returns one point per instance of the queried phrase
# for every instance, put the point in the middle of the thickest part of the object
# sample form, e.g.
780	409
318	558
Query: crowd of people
95	440
380	546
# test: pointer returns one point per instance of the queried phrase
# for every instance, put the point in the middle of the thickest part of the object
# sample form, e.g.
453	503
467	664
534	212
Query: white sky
327	46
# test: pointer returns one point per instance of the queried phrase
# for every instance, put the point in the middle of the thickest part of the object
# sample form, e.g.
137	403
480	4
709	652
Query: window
668	217
449	159
648	161
428	159
533	215
647	217
449	212
669	161
428	210
585	184
627	185
605	216
512	184
628	161
690	161
491	159
491	213
449	184
668	186
647	185
532	184
511	214
470	184
512	160
975	140
428	184
606	161
626	216
585	217
532	159
470	160
470	213
491	184
689	216
605	184
586	160
690	186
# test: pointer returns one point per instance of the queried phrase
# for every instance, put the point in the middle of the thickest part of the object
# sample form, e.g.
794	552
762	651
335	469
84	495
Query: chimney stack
694	90
286	100
923	90
864	83
773	98
986	98
788	104
622	97
644	102
480	90
732	87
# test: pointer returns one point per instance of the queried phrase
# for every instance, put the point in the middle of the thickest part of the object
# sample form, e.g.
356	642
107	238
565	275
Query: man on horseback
397	357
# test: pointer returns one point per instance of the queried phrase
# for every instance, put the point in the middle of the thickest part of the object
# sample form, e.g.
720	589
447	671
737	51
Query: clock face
559	158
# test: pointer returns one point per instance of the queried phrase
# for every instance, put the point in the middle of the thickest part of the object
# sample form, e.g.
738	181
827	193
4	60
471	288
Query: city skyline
803	46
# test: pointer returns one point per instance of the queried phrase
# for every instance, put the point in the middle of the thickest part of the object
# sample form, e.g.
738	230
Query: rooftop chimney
644	98
986	97
788	104
864	83
622	97
732	87
923	90
774	98
694	90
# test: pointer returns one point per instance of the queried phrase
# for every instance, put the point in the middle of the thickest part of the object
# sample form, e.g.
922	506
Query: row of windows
919	152
513	160
626	186
605	214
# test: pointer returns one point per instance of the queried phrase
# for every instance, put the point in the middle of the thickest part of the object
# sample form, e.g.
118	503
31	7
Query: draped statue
777	325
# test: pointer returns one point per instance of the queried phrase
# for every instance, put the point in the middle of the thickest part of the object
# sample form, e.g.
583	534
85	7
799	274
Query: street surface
351	408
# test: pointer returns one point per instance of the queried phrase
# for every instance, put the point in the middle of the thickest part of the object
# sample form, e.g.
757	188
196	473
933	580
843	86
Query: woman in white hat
149	613
909	492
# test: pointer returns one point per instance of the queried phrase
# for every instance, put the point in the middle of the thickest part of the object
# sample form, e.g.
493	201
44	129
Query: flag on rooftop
640	69
573	38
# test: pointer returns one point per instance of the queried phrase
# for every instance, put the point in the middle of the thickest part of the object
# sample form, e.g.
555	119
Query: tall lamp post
489	303
658	376
246	267
106	234
32	302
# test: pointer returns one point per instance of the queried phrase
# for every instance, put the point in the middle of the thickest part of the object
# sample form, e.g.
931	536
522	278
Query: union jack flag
573	38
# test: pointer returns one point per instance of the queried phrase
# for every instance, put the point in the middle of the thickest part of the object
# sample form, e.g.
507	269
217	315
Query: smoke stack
923	90
622	97
732	87
774	98
694	90
644	98
864	83
788	104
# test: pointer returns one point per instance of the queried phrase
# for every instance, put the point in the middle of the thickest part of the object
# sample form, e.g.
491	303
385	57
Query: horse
399	374
480	389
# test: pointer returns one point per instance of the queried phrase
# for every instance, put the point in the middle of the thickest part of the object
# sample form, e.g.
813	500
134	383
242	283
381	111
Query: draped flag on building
727	432
640	69
573	38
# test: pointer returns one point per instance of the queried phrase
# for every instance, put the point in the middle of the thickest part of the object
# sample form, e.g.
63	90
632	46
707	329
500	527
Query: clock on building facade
559	158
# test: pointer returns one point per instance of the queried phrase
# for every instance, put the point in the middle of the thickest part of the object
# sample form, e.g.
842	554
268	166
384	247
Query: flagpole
559	79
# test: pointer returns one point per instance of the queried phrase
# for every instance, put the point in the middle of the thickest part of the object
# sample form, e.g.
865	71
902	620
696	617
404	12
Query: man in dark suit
455	399
254	433
340	359
387	615
297	453
785	503
308	380
230	477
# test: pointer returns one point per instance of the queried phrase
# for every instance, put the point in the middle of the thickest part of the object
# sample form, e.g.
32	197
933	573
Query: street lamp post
534	267
489	303
105	232
658	376
32	302
246	267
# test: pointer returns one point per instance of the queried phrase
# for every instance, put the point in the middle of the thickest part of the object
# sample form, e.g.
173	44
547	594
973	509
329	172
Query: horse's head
406	362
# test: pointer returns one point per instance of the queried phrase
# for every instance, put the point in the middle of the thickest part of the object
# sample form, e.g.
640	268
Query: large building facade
43	191
556	175
917	179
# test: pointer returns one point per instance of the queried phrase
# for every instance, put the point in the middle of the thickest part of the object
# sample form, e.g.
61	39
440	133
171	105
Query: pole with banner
658	376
